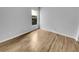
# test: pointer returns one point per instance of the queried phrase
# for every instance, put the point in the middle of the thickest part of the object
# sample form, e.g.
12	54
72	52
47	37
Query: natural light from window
34	12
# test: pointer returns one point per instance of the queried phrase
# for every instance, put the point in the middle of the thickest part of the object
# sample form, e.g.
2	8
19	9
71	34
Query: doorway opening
34	17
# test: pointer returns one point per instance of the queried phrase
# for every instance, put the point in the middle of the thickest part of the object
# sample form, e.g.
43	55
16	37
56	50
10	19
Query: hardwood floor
40	41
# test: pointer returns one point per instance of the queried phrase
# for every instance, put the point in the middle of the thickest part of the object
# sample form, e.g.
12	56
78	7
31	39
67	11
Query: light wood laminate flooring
40	41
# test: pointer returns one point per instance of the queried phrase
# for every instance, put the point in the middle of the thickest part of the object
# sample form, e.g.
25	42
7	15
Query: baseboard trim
60	33
35	29
17	35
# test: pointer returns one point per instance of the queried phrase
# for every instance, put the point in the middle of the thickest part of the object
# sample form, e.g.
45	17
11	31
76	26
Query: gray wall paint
14	21
78	23
62	20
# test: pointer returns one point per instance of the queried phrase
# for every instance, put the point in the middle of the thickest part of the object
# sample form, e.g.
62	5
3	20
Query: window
34	17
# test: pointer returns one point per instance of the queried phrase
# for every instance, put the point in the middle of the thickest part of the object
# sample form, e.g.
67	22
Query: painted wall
62	20
14	22
77	23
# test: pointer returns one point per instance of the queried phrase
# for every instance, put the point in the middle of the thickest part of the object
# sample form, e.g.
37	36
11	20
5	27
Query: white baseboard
60	33
33	28
16	35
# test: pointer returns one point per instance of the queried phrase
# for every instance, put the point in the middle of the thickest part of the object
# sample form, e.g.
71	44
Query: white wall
14	22
78	23
62	20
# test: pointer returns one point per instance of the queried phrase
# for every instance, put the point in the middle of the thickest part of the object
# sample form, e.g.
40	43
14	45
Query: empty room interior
39	29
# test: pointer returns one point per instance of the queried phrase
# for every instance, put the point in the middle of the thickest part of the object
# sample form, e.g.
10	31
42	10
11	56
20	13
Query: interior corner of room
16	21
